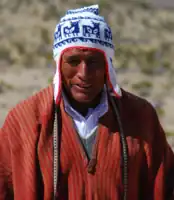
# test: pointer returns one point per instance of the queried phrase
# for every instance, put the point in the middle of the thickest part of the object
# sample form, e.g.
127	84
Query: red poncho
26	154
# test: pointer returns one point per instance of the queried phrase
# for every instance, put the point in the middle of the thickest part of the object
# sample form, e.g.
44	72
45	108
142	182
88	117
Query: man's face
83	73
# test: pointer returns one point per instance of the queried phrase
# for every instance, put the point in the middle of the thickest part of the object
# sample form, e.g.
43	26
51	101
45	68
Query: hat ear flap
57	81
111	78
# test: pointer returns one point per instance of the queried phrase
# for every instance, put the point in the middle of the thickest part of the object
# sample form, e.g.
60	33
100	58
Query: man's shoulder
141	114
35	100
136	103
32	106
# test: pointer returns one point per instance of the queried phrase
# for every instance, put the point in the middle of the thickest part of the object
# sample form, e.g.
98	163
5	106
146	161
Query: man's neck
82	108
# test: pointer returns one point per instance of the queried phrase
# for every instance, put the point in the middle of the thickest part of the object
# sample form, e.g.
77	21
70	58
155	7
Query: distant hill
143	34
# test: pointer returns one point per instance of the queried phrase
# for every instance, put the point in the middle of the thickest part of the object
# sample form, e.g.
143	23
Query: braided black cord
55	153
123	142
124	146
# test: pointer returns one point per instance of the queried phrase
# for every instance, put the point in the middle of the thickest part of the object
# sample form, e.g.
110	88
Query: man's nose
84	71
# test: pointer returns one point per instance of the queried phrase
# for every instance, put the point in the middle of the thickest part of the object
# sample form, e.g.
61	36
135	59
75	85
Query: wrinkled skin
83	75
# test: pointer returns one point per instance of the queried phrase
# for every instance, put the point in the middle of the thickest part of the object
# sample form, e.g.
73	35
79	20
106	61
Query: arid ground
143	36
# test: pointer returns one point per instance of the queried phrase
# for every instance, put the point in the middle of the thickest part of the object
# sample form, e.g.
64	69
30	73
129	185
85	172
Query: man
84	137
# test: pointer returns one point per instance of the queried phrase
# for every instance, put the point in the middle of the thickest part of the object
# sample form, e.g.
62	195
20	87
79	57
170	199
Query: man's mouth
83	86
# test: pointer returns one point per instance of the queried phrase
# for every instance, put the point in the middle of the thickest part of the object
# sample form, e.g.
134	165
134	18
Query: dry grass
143	36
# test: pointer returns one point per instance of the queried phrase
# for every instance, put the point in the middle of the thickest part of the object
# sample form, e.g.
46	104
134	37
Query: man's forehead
75	51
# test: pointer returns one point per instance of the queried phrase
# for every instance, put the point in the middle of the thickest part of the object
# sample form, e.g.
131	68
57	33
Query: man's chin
82	98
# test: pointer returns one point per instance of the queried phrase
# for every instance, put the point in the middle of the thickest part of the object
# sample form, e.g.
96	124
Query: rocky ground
144	41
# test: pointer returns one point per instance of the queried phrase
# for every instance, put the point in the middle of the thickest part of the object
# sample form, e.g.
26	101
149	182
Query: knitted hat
84	27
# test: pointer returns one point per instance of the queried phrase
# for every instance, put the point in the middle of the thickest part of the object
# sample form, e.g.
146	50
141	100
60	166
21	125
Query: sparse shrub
5	86
19	46
142	84
148	61
51	12
143	87
50	80
168	25
160	110
5	54
29	60
45	36
104	4
169	133
144	5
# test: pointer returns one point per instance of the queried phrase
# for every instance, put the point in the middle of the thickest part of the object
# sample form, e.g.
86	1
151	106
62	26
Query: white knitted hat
83	27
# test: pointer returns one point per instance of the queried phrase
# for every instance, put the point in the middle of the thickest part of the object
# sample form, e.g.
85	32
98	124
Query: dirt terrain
143	36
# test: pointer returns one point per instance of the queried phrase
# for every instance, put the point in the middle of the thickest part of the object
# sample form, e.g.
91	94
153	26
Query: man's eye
92	61
74	62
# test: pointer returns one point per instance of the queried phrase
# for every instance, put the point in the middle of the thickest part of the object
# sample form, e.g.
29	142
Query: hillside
143	36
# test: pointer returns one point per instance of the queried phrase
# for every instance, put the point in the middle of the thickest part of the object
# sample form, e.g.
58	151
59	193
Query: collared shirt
87	125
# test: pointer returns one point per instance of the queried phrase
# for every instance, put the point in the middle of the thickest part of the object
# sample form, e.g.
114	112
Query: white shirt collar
87	125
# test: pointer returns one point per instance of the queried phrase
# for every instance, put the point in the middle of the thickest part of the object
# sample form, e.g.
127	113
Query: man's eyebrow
94	56
70	57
